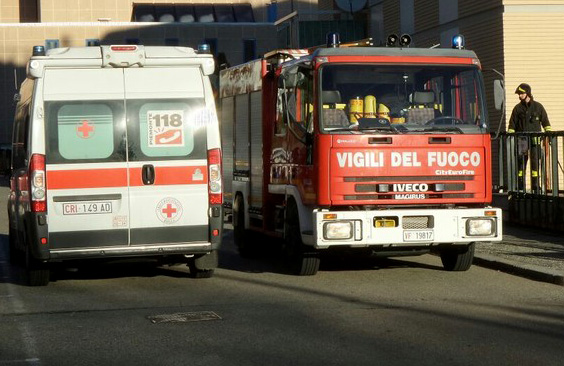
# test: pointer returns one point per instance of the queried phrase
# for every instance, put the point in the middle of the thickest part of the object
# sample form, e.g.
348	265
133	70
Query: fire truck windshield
409	99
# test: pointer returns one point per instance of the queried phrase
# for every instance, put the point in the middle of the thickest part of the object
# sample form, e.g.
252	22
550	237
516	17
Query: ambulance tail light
214	184
37	184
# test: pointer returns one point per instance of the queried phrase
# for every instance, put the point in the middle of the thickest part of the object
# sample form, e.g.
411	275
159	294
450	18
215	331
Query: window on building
224	13
189	13
244	13
249	49
29	11
143	13
51	43
92	42
165	13
185	13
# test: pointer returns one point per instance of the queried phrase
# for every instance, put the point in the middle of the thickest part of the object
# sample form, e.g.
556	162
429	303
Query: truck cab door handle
148	174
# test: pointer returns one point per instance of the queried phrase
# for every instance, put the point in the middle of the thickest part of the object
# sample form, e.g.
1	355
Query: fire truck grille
417	222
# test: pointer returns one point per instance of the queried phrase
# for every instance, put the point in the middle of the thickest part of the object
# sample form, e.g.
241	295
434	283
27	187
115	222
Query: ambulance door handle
148	174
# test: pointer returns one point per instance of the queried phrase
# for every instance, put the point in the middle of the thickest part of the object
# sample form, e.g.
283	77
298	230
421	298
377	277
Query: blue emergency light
204	48
458	41
38	51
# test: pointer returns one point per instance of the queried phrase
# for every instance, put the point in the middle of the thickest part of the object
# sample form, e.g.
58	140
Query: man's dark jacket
528	117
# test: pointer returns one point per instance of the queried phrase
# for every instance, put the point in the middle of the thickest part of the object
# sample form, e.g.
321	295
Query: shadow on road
269	258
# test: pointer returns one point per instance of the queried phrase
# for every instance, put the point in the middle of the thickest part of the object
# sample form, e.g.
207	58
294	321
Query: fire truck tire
243	238
37	273
303	260
458	259
203	266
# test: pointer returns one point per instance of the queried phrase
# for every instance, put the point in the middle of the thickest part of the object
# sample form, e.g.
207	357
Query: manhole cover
196	316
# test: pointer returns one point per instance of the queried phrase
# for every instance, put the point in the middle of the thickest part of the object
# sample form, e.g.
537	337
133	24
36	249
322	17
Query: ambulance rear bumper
151	250
404	228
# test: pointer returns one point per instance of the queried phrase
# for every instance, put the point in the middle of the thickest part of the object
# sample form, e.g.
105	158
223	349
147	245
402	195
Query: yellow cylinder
356	109
383	111
370	106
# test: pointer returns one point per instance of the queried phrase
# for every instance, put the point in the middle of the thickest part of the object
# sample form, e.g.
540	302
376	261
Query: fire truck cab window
416	97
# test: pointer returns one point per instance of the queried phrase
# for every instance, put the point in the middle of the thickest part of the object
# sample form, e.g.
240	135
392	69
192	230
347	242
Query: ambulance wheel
457	259
204	265
303	260
37	272
242	237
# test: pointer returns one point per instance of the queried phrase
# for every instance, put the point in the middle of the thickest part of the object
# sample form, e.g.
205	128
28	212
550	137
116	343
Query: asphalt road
353	312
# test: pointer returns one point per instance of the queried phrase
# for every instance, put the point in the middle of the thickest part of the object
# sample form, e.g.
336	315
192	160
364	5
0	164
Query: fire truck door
167	155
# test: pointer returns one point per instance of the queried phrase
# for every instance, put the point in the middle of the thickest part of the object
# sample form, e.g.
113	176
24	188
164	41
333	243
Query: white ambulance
116	153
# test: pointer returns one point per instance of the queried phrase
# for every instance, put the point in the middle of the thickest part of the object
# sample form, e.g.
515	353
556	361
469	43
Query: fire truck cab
378	148
116	153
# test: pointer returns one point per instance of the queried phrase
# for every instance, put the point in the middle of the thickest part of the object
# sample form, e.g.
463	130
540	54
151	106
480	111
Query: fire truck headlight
480	227
338	230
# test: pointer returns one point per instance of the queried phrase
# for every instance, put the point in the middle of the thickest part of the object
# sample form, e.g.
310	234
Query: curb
521	270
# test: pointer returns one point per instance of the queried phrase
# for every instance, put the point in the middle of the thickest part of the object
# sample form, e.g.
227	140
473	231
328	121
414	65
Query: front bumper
405	227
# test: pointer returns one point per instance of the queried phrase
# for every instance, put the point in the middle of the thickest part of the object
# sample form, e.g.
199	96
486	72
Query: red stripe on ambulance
103	178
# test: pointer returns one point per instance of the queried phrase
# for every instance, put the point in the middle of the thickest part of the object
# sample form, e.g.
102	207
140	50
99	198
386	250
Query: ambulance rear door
167	155
85	153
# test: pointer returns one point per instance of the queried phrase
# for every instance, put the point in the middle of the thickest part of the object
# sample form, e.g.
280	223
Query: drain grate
196	316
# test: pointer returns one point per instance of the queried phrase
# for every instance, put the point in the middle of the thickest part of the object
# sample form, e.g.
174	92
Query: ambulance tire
303	260
38	273
203	266
458	259
243	238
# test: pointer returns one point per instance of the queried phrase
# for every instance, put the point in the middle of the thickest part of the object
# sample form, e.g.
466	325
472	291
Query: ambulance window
167	128
86	131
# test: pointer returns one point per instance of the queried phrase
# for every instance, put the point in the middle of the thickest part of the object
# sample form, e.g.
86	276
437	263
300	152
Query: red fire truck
381	149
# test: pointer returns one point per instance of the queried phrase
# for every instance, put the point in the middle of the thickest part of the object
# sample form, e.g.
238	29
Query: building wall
534	53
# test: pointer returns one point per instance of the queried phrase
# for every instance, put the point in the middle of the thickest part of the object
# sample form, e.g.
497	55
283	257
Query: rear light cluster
214	184
38	186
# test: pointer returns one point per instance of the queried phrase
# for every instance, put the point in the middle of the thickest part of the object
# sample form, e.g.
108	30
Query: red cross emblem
169	210
85	129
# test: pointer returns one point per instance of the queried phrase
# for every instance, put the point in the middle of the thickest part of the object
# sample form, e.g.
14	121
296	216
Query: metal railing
530	170
530	163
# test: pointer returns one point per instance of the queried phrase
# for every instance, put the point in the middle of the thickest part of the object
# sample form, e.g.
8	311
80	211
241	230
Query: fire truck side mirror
499	94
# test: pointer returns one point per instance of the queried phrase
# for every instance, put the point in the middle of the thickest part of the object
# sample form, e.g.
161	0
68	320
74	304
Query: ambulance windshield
402	98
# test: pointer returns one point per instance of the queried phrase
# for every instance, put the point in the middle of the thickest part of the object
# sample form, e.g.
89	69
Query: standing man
528	116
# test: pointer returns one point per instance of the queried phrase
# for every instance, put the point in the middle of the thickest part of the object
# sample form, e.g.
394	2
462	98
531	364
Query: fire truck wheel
203	266
242	237
38	273
455	259
303	260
